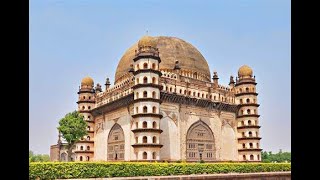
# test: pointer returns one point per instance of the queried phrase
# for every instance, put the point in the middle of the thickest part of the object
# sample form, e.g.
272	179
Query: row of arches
250	134
145	94
246	89
84	97
145	124
145	80
248	111
87	158
145	109
249	123
145	139
250	145
146	66
88	148
88	138
145	155
248	101
88	107
251	157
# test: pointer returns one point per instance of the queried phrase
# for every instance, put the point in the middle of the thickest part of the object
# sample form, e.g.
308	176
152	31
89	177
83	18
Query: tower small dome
88	81
146	41
245	71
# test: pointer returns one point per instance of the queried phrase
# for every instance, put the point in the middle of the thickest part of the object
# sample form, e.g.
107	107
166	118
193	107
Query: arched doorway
116	143
64	157
200	142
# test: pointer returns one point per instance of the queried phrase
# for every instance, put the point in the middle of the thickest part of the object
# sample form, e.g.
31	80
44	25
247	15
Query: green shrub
61	170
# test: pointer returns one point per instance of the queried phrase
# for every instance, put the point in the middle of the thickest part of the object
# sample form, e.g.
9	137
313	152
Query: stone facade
163	111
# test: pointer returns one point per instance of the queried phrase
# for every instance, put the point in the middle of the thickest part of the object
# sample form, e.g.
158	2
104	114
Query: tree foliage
278	157
38	157
72	127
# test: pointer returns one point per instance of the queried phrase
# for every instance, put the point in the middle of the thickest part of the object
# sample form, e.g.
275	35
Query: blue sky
72	39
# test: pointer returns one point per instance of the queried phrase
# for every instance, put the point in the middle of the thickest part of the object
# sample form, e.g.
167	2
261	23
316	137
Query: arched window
214	97
137	80
241	112
154	80
81	147
88	158
253	89
145	66
144	139
88	138
180	91
137	125
144	155
89	107
154	139
88	148
145	94
244	157
248	111
137	110
250	134
80	158
194	93
240	90
185	91
248	100
89	97
82	107
258	156
137	95
242	123
144	124
249	122
254	111
251	145
207	96
145	109
154	94
170	89
154	155
137	140
247	89
243	145
243	134
257	145
154	109
251	157
198	94
167	88
153	66
138	66
88	128
189	93
84	97
145	80
154	125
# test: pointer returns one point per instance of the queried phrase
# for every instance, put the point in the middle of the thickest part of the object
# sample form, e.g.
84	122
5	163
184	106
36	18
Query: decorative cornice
152	56
250	149
83	151
246	93
85	91
249	138
175	98
147	71
147	130
246	82
147	145
249	126
147	85
249	104
86	101
147	115
147	99
85	111
248	115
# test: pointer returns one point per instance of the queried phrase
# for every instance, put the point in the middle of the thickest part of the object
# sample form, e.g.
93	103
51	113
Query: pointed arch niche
200	142
116	144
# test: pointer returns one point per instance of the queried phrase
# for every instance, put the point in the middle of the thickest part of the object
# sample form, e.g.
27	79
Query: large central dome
170	50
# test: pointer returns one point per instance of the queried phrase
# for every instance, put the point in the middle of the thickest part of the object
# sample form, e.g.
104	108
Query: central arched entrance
116	144
200	142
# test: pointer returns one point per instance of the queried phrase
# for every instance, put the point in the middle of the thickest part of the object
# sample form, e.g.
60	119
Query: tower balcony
147	115
147	71
249	149
147	130
248	126
249	104
246	93
83	151
249	138
147	99
138	145
147	85
248	115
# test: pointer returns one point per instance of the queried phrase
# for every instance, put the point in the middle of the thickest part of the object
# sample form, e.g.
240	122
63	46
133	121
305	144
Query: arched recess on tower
116	143
200	142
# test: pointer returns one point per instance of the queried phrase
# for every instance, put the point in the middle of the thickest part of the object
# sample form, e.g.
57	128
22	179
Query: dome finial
245	71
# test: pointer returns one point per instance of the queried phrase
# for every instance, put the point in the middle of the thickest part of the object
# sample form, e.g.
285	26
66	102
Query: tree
72	127
38	157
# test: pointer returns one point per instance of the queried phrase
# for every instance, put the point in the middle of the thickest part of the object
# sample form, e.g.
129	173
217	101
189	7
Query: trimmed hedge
54	170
